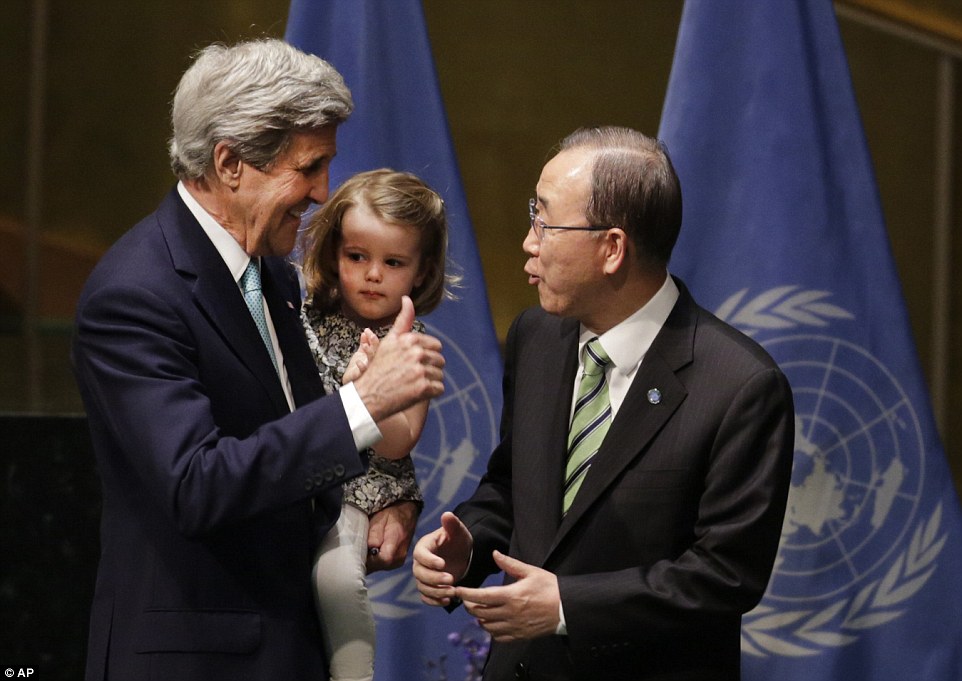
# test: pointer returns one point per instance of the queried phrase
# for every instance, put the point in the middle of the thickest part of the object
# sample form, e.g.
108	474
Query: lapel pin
654	396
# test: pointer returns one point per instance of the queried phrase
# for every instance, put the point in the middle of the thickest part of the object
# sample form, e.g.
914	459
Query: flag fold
784	238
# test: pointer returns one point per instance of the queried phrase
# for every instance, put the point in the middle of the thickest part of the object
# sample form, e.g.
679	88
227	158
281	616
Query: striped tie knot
594	358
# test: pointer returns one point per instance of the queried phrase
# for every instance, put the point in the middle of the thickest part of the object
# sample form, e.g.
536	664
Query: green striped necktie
590	421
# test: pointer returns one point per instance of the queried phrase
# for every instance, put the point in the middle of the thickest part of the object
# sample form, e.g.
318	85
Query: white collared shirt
363	428
627	342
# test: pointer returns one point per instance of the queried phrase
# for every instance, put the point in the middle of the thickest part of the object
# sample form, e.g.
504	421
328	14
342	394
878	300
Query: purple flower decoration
474	643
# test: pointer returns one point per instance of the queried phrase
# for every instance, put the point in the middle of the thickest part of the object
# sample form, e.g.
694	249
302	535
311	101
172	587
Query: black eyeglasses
539	226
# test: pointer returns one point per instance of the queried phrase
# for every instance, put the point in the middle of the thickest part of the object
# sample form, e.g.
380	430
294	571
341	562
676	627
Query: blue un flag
784	238
383	52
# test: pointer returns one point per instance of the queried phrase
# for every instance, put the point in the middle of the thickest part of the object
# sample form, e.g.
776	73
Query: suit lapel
216	293
640	418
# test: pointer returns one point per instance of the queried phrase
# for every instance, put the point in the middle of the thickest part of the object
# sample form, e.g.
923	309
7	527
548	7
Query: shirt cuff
468	568
562	629
365	431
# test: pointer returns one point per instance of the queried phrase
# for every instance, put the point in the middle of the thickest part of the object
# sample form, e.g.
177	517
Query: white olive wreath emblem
805	632
768	631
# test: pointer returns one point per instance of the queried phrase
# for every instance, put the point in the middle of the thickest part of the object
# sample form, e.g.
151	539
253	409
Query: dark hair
395	197
634	187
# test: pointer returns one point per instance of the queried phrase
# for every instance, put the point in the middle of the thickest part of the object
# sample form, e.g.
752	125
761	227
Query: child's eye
354	257
393	262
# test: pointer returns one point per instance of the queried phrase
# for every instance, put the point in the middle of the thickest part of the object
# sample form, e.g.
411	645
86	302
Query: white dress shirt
627	342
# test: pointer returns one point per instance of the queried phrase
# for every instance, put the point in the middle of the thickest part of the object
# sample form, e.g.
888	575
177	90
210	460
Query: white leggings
340	594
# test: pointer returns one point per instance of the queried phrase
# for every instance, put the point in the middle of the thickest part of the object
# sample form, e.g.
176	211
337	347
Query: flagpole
942	278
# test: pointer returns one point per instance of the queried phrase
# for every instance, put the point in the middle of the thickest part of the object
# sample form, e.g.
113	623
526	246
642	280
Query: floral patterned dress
333	339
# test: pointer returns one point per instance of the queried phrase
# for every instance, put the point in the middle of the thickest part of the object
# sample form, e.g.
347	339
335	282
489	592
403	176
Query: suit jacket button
521	671
308	485
339	470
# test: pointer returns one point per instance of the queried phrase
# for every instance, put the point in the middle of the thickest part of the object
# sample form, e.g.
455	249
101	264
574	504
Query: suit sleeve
489	513
184	423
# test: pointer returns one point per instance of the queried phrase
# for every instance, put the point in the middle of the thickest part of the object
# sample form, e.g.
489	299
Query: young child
381	236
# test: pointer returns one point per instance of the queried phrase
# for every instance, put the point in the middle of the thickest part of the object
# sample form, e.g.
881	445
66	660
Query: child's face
377	263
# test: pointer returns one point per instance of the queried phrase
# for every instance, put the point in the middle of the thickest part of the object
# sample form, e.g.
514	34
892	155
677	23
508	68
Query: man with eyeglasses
636	499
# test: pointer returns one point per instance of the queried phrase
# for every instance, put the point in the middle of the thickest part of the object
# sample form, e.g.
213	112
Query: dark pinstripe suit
674	531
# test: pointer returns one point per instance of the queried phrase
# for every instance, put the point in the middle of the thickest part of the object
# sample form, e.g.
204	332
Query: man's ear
616	246
227	165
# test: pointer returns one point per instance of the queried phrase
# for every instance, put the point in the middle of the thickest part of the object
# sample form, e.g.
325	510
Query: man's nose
320	189
531	245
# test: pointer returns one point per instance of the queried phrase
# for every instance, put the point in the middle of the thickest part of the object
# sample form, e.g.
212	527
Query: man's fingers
386	558
430	561
435	596
435	586
375	534
483	597
511	566
452	526
388	550
426	558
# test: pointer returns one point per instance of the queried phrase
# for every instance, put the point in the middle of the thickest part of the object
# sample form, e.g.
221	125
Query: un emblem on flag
853	549
460	432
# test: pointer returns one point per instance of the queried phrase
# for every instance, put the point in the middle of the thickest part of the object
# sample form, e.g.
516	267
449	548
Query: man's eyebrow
316	161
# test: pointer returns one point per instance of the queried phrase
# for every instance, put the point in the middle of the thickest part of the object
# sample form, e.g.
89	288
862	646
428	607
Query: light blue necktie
590	421
250	282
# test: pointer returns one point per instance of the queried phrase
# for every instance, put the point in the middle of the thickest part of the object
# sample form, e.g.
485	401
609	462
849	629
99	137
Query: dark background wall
50	507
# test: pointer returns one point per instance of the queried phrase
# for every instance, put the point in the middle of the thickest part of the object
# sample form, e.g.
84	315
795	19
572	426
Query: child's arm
400	431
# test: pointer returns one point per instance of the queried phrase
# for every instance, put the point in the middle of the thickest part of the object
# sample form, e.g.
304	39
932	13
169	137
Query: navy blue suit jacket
213	491
674	531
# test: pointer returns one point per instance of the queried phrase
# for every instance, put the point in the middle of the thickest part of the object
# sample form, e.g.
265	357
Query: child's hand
361	359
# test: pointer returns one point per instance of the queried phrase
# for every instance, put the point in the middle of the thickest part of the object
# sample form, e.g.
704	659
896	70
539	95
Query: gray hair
633	186
253	94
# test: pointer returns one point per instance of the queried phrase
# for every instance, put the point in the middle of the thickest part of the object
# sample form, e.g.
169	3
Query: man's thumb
405	318
451	524
511	566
